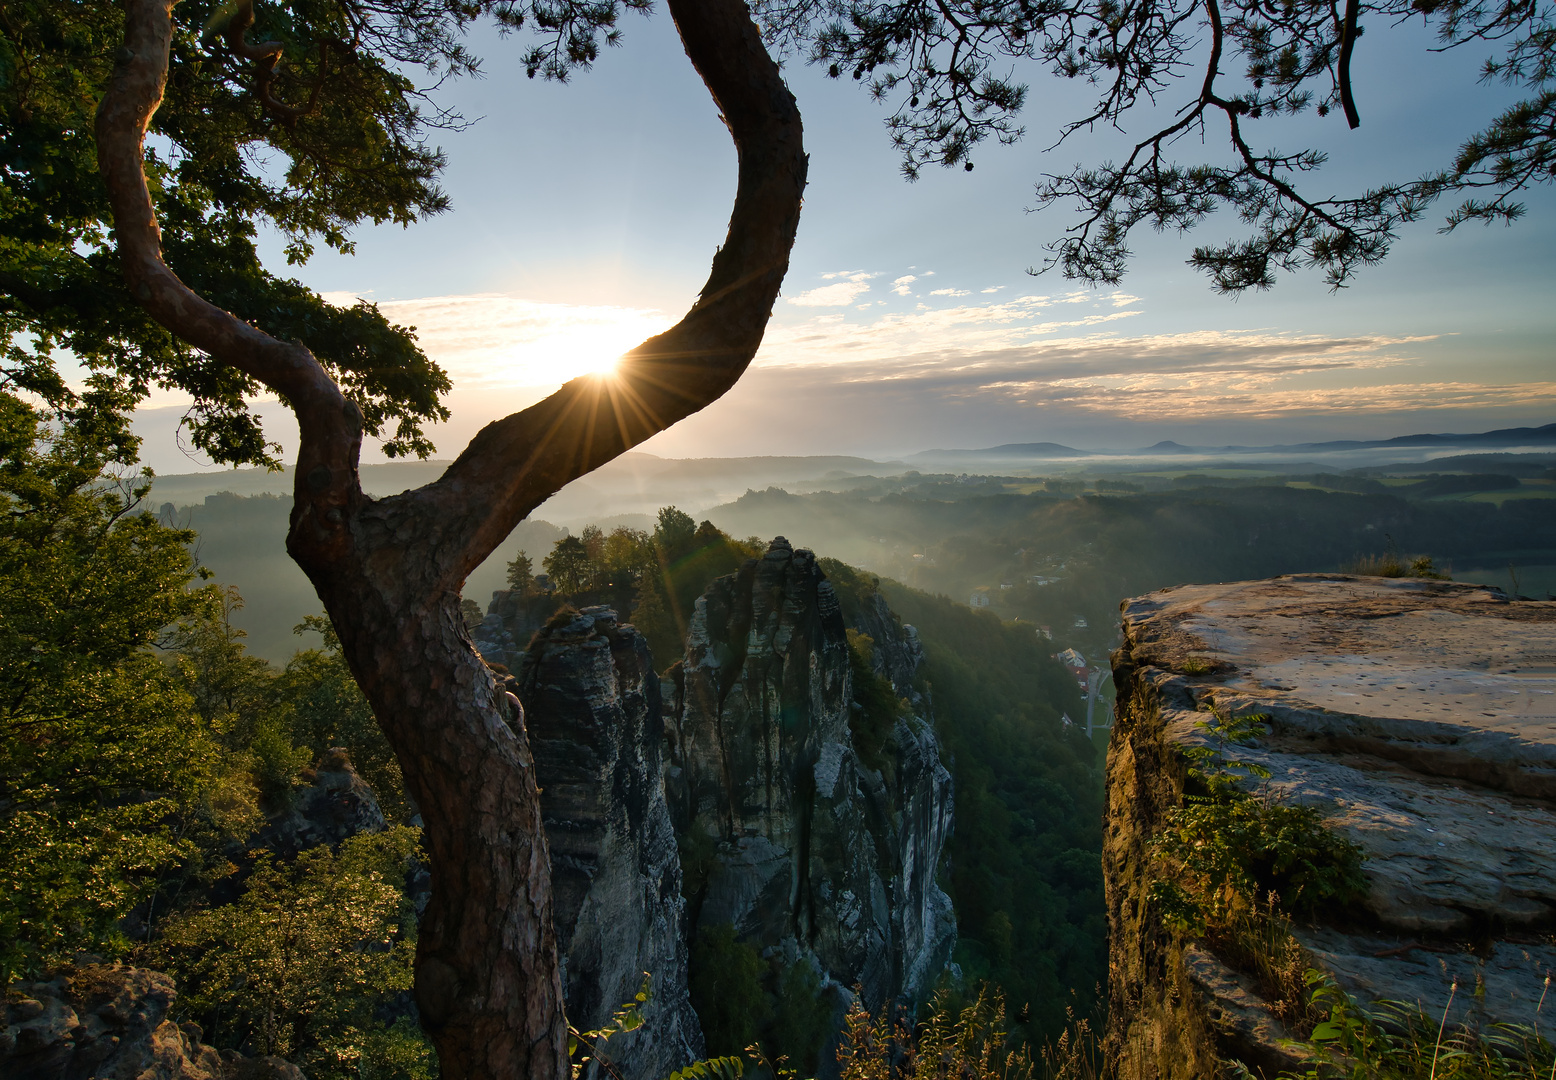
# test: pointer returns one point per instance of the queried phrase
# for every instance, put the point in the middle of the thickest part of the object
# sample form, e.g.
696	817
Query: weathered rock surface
335	805
1420	718
110	1022
819	855
898	653
592	706
513	619
501	636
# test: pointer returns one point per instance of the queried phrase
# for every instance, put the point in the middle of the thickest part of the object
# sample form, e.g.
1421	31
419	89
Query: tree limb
1347	43
266	56
515	464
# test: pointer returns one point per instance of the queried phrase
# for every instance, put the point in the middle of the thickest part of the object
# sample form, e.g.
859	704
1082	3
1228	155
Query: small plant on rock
1397	1040
1229	846
1238	865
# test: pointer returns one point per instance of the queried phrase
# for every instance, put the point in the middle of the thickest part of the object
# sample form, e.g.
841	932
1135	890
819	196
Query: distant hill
1007	451
1542	436
637	484
1505	438
627	491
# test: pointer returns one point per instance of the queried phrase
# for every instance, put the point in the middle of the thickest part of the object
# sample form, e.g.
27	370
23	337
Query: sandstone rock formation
1420	718
512	619
501	636
592	710
819	855
898	653
110	1022
336	804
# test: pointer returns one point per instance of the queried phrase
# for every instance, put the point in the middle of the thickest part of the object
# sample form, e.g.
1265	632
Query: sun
502	342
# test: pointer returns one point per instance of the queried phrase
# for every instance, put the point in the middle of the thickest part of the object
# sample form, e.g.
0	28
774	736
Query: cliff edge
1417	720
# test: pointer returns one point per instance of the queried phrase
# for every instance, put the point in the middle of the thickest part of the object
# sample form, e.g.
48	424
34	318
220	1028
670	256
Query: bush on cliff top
1227	847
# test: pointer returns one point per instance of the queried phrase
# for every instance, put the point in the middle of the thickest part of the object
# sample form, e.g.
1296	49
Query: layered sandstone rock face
1419	717
592	709
511	620
819	854
814	857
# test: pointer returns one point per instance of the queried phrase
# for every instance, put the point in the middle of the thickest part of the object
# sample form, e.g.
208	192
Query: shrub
1239	865
303	964
1228	847
968	1044
1394	565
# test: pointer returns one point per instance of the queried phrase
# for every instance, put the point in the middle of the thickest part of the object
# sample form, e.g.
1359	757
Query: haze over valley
1046	532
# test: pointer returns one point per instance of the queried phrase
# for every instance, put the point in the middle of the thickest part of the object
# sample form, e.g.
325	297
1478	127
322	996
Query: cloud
984	357
971	327
853	284
1233	363
1270	386
973	365
840	295
902	286
949	292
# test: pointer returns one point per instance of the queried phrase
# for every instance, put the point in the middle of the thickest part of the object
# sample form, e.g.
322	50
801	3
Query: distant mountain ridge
1505	437
1540	436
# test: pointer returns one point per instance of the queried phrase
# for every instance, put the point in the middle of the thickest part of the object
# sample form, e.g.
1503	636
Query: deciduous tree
104	759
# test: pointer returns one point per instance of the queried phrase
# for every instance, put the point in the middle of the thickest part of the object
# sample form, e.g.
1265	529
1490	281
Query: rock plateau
1420	718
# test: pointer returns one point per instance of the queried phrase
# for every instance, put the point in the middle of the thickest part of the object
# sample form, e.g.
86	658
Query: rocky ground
1420	718
110	1022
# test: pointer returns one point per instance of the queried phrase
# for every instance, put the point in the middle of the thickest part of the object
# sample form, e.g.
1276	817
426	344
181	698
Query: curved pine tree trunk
389	571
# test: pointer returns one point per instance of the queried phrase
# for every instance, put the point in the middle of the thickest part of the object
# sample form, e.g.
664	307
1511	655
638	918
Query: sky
584	216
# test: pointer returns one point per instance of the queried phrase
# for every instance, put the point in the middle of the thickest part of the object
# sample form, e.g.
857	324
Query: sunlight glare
500	342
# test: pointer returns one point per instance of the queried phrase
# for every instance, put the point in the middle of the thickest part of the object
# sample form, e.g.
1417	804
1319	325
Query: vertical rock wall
592	708
818	854
819	858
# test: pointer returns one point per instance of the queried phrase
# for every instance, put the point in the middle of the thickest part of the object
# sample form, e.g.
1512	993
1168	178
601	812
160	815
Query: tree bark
389	570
